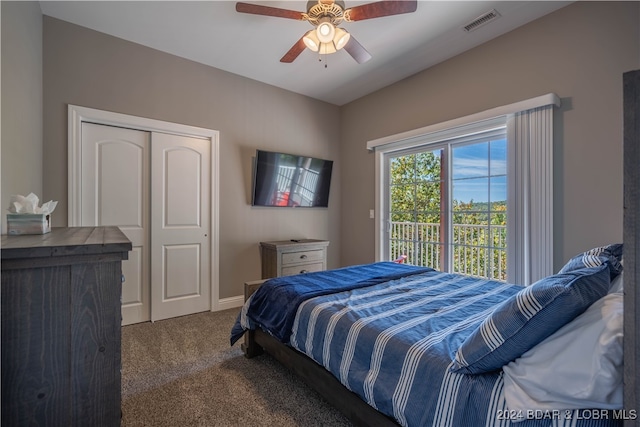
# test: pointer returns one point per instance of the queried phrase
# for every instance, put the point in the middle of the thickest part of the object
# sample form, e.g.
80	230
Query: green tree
415	186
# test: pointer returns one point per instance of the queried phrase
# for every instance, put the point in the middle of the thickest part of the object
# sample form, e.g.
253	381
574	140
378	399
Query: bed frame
631	226
362	414
322	381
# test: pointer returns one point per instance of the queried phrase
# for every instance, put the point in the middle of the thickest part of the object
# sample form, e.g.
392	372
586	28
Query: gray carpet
182	372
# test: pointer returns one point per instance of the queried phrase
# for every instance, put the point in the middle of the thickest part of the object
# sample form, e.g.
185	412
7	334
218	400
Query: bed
393	344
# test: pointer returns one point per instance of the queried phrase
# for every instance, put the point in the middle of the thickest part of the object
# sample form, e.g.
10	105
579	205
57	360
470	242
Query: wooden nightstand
288	257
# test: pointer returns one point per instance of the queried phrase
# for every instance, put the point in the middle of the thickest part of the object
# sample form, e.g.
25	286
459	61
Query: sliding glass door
448	205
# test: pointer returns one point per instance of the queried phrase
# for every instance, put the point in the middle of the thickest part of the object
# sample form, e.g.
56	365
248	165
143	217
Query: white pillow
579	366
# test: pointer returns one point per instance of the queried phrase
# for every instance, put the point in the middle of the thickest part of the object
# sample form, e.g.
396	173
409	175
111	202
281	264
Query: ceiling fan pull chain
323	57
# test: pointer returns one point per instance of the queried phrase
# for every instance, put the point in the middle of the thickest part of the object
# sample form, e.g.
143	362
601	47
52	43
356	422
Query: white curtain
530	135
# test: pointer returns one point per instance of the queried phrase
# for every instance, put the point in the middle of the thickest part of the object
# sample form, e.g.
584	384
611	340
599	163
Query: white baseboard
233	302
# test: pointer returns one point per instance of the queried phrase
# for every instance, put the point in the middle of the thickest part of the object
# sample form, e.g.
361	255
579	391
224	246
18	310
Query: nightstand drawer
302	268
287	257
302	256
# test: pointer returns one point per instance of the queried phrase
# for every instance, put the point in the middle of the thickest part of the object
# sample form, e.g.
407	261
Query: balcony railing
477	250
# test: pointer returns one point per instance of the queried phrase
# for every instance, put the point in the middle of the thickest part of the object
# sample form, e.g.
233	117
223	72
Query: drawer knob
303	257
304	271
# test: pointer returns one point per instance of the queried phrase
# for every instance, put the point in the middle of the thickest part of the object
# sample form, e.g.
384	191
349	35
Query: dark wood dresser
61	327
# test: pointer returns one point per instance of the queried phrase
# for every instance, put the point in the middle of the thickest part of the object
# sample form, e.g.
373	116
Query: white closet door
180	225
115	191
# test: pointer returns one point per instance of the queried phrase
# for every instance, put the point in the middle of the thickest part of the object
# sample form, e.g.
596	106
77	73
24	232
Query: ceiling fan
325	16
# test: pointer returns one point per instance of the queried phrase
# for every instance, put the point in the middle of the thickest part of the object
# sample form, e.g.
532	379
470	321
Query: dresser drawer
302	256
302	268
287	257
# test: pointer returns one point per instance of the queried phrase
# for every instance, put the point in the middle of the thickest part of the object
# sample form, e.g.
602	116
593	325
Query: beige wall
578	52
21	101
91	69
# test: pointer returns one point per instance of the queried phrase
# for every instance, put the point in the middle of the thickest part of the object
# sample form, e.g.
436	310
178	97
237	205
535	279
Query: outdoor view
470	219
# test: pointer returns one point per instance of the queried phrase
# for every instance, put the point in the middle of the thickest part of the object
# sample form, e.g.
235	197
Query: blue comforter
393	345
392	342
274	305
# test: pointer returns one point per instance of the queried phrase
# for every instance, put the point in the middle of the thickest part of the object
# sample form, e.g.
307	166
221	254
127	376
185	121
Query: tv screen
289	180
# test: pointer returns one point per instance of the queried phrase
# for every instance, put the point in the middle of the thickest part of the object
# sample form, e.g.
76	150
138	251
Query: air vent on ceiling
481	20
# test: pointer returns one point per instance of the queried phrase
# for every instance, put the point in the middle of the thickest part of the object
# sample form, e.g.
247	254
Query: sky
479	172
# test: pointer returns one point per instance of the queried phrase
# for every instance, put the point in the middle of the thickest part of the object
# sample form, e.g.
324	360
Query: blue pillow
529	317
597	256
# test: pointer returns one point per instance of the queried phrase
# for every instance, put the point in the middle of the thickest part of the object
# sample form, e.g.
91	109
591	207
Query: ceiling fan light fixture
327	48
341	38
325	31
311	40
325	16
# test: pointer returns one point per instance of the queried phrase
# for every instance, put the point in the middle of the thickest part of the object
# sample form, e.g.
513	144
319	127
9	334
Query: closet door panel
182	271
183	169
115	191
180	222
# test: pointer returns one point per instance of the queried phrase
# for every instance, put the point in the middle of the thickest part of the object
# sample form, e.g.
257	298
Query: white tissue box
28	224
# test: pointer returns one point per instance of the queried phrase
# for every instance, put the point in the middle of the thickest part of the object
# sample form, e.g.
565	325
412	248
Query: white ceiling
213	33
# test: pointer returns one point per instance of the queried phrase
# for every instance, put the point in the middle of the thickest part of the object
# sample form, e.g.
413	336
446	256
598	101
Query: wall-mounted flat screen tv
282	179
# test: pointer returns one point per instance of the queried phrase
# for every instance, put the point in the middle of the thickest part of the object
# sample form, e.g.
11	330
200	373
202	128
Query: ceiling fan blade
257	9
381	8
357	51
294	52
